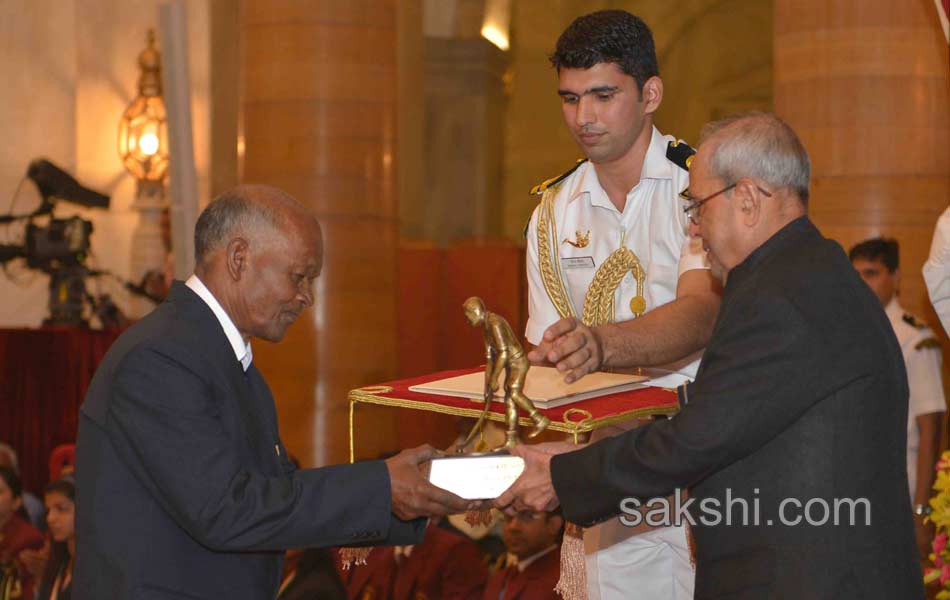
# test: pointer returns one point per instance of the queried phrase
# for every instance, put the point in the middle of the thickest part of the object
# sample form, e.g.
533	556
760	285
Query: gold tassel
573	582
479	518
691	545
354	556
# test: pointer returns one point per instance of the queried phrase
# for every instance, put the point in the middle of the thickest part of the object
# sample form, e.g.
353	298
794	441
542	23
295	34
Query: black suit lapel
253	399
260	419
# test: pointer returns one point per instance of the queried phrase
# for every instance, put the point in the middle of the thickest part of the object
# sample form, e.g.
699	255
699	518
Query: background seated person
57	577
446	566
16	535
533	540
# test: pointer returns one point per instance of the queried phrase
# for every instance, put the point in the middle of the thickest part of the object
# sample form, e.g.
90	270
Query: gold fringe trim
572	584
479	518
354	556
690	542
567	426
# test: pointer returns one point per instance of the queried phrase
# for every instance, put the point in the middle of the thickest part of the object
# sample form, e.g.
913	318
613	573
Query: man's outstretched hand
533	490
574	348
412	494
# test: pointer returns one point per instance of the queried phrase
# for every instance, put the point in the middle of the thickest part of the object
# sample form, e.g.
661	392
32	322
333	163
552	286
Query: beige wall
715	58
38	117
71	70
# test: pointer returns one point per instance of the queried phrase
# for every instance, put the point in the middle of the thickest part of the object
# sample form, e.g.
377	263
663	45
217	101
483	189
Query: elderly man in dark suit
792	438
184	487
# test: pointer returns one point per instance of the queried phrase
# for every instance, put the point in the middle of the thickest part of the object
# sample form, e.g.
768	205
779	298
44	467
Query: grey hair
11	457
236	212
759	145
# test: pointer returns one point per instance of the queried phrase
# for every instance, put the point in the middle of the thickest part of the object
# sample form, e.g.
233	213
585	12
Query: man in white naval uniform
937	269
878	262
614	279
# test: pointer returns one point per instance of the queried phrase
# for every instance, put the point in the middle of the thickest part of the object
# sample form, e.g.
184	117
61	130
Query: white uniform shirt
937	270
923	379
652	224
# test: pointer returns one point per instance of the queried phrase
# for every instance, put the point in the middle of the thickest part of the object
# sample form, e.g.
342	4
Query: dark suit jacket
184	489
801	394
445	566
315	577
536	582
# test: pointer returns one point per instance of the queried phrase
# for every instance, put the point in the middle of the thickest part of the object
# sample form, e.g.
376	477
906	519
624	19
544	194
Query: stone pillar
318	119
865	85
148	247
464	124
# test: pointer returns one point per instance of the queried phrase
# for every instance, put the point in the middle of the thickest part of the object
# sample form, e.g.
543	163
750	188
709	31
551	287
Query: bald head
259	251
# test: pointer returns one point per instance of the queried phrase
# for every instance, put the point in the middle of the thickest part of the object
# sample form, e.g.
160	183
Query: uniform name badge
577	262
476	476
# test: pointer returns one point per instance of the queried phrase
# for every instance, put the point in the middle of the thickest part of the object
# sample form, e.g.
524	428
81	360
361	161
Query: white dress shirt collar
655	166
242	349
524	564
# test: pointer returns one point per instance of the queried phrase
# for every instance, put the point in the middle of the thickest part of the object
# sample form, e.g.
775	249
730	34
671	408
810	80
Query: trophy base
476	476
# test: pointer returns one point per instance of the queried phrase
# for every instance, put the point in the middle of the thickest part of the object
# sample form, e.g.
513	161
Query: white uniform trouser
652	565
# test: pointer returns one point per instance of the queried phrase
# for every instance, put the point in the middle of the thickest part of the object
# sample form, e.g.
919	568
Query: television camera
60	247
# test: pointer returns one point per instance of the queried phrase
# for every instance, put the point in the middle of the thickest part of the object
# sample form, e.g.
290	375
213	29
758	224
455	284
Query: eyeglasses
692	208
525	516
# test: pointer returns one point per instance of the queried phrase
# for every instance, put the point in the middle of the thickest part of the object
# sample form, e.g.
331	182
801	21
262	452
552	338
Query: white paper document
544	385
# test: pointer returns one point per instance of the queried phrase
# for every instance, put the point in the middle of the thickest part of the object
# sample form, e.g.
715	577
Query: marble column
865	85
318	119
464	125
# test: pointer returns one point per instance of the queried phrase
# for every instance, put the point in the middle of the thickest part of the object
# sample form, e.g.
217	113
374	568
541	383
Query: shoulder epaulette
680	153
539	189
930	342
913	321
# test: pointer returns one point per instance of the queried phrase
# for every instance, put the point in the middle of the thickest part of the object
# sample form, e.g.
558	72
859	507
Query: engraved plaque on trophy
476	476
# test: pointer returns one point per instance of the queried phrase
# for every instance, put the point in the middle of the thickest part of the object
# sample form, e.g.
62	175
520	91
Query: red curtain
44	374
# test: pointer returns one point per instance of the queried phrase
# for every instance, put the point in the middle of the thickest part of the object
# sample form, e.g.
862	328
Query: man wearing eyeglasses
614	279
532	565
792	438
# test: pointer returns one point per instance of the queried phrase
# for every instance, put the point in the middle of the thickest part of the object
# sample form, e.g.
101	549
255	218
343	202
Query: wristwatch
922	509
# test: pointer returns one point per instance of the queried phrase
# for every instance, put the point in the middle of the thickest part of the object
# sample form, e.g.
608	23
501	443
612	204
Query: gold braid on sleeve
548	259
599	301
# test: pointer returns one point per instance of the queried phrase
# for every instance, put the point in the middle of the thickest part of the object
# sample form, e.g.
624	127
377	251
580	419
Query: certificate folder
544	385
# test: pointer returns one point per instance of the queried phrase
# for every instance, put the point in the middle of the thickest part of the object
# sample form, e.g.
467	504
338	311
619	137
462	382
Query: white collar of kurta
242	349
655	166
524	564
894	310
